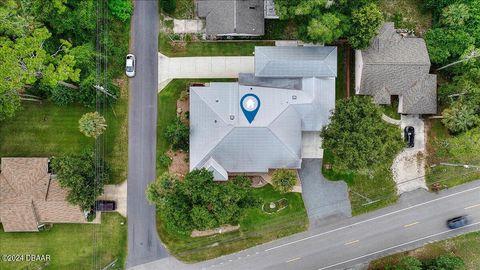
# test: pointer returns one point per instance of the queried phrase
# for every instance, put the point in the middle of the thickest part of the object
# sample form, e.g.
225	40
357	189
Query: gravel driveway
409	166
324	200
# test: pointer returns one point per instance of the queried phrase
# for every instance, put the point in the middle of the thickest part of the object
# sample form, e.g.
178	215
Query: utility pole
473	54
103	90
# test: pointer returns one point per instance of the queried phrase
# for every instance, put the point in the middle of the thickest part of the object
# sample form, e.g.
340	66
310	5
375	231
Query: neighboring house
397	65
235	17
257	124
29	197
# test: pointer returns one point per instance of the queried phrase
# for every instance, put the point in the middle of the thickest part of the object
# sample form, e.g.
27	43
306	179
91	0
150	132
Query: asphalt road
143	243
417	219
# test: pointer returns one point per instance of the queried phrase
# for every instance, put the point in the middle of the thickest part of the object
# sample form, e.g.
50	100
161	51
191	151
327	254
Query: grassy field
70	246
466	247
45	130
230	48
458	149
407	14
256	227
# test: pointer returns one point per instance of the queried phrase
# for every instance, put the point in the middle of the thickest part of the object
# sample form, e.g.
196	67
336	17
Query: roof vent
252	7
216	100
215	121
232	116
294	97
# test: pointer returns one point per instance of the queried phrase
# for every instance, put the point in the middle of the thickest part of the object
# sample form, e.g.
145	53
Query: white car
130	65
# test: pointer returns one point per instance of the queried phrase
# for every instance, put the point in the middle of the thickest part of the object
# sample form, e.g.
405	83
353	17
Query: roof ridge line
275	119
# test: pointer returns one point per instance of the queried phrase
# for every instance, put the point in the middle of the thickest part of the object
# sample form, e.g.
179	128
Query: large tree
198	202
358	137
324	21
77	173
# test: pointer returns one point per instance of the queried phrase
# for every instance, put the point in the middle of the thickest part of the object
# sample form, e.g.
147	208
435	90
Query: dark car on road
105	206
457	222
409	133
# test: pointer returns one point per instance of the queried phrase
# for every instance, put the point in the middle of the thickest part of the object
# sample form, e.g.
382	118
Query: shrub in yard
198	202
121	9
168	6
358	137
92	124
407	263
284	180
178	133
460	117
164	160
78	173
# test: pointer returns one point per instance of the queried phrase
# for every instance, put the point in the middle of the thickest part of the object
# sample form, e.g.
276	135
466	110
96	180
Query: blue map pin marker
250	104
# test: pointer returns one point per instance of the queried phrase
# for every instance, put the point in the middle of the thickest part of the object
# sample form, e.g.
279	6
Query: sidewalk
201	67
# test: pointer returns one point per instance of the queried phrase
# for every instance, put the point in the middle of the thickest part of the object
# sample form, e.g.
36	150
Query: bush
121	9
460	117
178	133
164	160
168	6
284	180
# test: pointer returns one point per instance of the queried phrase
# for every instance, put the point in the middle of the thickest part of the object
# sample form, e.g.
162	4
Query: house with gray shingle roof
30	197
295	88
397	65
232	17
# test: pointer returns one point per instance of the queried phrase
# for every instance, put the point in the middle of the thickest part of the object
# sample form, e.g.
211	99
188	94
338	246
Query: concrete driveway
409	166
201	67
325	201
117	193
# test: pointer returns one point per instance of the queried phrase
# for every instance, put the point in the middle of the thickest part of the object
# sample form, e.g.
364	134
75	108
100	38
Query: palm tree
92	124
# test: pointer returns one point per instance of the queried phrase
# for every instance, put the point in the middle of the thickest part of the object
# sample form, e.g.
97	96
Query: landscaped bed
256	226
70	246
466	247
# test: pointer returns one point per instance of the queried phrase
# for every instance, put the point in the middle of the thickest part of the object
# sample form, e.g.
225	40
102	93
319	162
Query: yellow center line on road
352	242
411	224
294	259
472	206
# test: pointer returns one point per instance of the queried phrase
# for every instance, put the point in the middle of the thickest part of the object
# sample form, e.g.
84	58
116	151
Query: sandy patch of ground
179	165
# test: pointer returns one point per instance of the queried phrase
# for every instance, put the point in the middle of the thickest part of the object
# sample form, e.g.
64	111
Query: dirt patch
179	165
222	229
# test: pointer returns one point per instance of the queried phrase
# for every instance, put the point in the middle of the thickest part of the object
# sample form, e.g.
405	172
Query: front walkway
326	201
201	67
117	193
409	166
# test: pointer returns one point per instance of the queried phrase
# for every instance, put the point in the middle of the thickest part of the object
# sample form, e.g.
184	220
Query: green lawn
45	130
70	246
391	110
280	30
407	14
458	149
256	227
209	48
465	246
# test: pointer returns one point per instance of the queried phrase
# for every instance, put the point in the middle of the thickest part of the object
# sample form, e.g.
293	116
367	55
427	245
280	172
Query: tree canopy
77	173
198	202
323	21
357	135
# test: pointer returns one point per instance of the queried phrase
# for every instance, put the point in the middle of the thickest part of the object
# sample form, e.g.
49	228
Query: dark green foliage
444	262
284	180
358	137
198	202
168	6
446	45
164	160
325	21
178	134
78	173
121	9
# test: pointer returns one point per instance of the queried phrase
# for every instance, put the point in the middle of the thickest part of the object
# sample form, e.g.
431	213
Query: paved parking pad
324	200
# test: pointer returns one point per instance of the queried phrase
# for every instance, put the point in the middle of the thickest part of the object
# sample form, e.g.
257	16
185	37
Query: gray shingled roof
232	17
396	65
222	140
291	62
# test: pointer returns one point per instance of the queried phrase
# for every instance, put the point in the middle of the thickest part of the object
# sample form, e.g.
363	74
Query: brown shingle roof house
29	197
